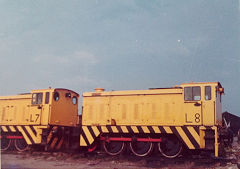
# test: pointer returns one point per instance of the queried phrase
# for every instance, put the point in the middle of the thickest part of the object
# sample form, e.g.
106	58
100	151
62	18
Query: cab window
218	94
37	98
47	98
192	93
208	93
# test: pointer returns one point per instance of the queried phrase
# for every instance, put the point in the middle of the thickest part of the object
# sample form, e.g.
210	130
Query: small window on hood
56	96
68	95
74	100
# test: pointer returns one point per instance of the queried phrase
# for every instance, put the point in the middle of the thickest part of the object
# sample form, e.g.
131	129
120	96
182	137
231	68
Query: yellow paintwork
202	137
20	110
173	111
64	112
152	107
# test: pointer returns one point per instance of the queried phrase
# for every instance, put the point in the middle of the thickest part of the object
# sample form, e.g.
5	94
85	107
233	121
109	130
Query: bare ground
43	160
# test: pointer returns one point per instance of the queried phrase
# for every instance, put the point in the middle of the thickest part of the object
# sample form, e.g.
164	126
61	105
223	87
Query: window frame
76	99
37	101
205	90
47	97
55	97
191	96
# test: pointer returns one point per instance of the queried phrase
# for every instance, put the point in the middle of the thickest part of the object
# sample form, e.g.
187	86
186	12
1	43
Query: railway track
101	159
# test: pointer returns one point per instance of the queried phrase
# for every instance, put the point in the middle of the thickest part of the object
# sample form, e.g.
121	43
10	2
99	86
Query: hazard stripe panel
56	137
12	129
189	135
31	134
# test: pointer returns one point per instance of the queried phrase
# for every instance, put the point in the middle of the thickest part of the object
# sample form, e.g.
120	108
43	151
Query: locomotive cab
203	103
203	108
54	107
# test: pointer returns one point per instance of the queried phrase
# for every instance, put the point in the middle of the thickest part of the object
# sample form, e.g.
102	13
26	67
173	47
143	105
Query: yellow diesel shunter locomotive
42	117
188	115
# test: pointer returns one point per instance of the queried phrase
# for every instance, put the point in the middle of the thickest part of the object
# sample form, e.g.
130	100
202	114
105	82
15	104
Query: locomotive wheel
140	148
5	144
21	145
113	147
170	146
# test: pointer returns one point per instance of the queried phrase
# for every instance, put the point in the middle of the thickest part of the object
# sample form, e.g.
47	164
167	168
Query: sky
119	45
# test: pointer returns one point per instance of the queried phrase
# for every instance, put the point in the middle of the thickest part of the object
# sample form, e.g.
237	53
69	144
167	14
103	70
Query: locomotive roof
135	92
28	95
67	90
202	83
150	91
20	96
54	89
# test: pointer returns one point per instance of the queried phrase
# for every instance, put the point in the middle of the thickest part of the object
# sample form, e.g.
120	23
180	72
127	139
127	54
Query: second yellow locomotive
188	115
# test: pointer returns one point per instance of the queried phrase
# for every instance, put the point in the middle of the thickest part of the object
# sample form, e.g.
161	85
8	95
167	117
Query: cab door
36	108
192	105
46	108
208	106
